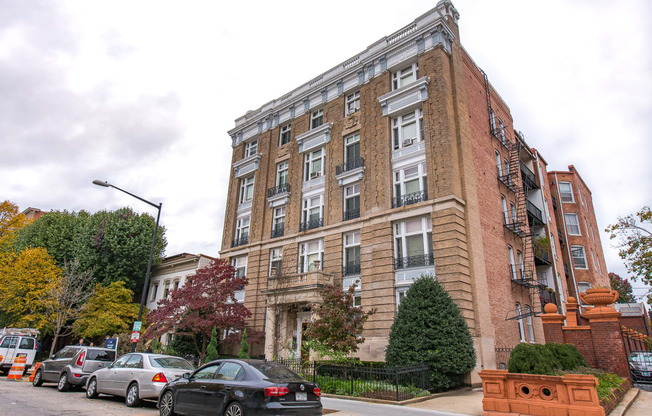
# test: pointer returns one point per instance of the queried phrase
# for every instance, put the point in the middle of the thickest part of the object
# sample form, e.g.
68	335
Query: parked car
137	376
72	365
640	366
15	342
241	387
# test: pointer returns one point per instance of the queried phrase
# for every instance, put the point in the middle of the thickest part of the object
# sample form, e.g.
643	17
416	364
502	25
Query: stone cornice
424	33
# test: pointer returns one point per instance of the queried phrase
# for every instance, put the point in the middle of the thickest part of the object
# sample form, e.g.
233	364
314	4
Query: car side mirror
186	376
54	356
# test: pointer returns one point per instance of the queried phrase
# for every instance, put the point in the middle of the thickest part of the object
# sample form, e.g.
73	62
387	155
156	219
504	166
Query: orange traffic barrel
17	369
31	377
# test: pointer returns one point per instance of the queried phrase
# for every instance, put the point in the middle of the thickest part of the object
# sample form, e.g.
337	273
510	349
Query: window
501	131
583	287
285	134
410	185
282	173
136	361
251	148
499	164
275	262
519	319
586	226
413	243
514	216
9	342
572	224
166	290
579	257
352	202
240	266
407	129
230	372
278	222
26	344
512	264
316	118
352	104
206	372
154	290
352	147
313	212
314	164
492	120
311	254
505	211
120	362
400	294
351	254
528	321
405	76
521	265
246	189
241	231
506	168
566	192
176	284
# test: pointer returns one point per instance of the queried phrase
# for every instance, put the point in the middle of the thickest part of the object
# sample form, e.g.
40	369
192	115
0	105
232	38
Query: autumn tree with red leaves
206	300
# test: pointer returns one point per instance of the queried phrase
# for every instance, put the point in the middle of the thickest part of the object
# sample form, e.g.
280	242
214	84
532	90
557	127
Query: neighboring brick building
401	161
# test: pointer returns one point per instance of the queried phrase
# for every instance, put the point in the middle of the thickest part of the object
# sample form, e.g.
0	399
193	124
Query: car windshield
641	357
100	355
170	362
275	371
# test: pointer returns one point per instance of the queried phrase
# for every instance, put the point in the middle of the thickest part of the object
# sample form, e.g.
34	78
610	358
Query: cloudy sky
141	93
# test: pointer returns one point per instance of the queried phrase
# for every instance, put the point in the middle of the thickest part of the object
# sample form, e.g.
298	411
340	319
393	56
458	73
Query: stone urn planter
599	297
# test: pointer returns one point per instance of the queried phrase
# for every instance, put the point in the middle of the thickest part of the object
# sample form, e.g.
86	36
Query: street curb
626	402
400	403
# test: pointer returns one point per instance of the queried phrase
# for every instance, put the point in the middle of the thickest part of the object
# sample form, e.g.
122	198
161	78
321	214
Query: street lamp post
143	297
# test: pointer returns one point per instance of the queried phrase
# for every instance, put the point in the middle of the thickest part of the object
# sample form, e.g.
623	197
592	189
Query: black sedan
640	366
241	388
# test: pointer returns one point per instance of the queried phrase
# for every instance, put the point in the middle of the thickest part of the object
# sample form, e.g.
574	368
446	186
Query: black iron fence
240	241
409	199
310	224
351	164
350	269
278	190
528	177
351	214
373	380
278	231
414	261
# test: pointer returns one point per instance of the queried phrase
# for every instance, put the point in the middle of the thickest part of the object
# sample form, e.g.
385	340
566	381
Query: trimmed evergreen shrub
244	346
429	328
568	357
211	350
532	359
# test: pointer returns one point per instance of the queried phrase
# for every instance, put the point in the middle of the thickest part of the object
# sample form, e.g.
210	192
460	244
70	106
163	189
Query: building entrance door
303	318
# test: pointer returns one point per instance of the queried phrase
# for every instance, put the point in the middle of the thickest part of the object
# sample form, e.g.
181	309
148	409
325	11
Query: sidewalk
467	402
642	406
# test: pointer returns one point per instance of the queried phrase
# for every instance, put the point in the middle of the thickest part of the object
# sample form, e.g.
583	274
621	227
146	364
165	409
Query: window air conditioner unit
314	175
408	142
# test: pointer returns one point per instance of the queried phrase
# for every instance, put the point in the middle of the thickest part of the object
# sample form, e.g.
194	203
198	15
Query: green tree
336	332
211	350
623	287
109	310
634	233
430	328
244	346
114	244
25	279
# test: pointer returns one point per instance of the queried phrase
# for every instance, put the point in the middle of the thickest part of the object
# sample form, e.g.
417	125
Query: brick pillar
552	324
605	331
571	311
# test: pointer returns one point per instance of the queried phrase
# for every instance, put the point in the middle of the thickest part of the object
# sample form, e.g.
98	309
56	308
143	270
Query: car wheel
234	409
38	379
63	383
166	406
132	399
91	389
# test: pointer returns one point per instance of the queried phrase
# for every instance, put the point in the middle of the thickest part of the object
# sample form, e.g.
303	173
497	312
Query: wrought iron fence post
351	375
396	375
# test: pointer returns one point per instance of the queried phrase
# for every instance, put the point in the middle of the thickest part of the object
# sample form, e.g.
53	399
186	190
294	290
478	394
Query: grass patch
607	382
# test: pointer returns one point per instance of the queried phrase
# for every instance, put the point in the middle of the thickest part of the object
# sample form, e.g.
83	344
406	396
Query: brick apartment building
401	161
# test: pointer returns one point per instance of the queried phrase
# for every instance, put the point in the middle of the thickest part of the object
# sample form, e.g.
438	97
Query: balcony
535	214
349	172
409	199
311	223
297	288
529	180
507	181
278	231
566	270
351	214
419	260
240	241
351	269
278	195
541	257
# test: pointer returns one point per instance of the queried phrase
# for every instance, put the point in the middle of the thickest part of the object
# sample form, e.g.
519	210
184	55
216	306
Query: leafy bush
532	359
544	359
429	328
211	350
607	382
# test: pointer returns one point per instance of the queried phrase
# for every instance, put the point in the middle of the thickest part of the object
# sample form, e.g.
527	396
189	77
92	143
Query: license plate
301	396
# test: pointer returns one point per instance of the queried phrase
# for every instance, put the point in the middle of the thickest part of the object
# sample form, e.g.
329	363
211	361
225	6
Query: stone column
270	336
552	324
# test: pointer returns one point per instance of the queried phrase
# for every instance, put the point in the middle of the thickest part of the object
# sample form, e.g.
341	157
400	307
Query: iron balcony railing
409	199
419	260
534	211
507	181
528	177
351	214
278	231
541	256
278	190
350	269
566	270
516	273
358	162
547	296
311	223
240	241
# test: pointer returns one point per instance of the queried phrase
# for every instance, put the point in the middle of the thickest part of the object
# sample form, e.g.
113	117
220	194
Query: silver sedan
136	376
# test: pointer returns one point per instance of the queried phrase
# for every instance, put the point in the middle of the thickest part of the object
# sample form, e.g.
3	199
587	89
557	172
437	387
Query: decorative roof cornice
424	33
